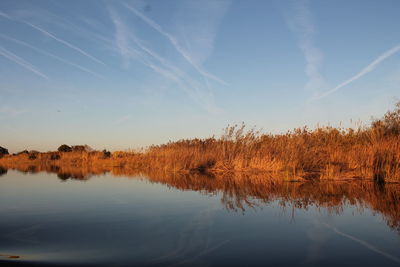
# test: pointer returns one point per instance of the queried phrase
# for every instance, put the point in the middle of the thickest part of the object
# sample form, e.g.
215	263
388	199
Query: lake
123	219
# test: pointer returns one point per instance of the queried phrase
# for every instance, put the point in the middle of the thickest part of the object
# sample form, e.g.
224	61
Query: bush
82	148
3	151
64	148
78	148
32	156
55	156
106	154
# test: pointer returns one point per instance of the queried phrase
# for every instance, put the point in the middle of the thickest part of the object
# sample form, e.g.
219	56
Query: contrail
365	244
175	43
51	55
151	59
364	71
43	31
64	42
121	37
14	58
303	26
4	15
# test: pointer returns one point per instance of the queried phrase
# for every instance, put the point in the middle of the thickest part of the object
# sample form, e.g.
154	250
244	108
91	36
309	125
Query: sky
128	74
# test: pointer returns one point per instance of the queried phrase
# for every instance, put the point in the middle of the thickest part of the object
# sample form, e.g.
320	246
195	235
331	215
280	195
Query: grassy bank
321	153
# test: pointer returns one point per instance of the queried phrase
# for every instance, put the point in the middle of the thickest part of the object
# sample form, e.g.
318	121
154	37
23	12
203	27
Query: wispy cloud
121	37
53	36
4	15
16	59
79	50
364	71
195	26
50	55
172	39
302	24
130	47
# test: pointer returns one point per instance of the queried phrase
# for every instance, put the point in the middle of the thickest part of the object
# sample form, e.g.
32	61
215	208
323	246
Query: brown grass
322	153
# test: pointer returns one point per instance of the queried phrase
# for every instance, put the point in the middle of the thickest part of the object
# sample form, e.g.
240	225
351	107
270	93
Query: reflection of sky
117	219
125	74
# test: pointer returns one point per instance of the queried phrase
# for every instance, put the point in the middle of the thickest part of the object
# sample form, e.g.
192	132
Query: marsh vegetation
312	154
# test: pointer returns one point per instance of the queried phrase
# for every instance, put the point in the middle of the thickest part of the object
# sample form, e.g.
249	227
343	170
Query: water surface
194	220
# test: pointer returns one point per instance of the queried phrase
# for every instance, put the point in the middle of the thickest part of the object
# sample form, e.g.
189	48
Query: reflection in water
365	244
9	256
3	171
131	218
242	191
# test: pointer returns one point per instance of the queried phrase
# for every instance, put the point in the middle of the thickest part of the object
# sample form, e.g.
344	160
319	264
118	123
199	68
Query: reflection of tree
239	192
3	171
63	176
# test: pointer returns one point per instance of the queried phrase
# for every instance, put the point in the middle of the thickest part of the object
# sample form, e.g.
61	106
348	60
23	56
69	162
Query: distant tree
106	154
3	151
64	148
82	148
55	156
78	148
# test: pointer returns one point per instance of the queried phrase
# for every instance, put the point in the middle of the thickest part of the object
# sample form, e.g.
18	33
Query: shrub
64	148
106	154
55	156
82	148
3	151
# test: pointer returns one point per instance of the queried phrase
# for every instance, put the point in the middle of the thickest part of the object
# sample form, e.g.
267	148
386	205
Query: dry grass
322	153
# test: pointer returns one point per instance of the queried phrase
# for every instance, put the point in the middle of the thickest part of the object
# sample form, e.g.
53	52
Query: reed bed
312	154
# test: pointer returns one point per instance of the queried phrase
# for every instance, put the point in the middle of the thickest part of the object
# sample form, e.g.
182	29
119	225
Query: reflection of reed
241	191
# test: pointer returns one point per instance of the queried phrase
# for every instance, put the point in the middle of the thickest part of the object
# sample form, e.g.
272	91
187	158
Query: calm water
195	221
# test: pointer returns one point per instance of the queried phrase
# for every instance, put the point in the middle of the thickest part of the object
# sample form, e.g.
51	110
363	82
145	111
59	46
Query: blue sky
127	74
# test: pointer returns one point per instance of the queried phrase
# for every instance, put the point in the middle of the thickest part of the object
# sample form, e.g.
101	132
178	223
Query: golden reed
323	153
